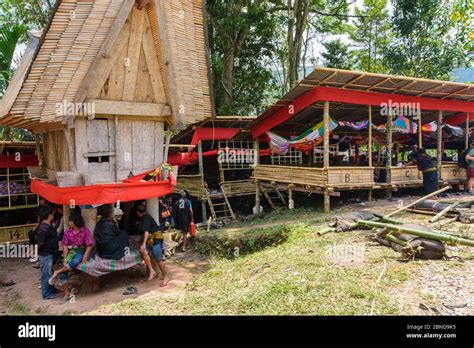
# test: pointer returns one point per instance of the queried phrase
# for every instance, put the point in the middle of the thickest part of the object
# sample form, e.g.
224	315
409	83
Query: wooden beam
330	76
256	148
133	55
351	81
439	143
420	132
141	4
378	83
430	89
102	65
201	173
388	164
369	145
326	135
175	99
456	92
121	108
466	142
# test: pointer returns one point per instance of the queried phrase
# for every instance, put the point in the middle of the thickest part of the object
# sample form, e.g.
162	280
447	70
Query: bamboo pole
327	199
420	131
466	141
441	236
389	152
201	172
427	212
439	147
418	201
444	211
369	145
256	147
326	135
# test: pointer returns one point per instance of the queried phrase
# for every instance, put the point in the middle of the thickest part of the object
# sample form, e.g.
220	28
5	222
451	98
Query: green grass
293	276
14	306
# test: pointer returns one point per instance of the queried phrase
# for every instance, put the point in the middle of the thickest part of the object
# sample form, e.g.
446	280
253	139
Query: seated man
111	243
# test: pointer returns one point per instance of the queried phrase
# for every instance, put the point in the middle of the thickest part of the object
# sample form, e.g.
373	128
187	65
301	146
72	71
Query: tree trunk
228	77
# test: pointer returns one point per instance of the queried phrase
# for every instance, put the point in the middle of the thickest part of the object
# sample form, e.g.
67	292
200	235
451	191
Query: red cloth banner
22	161
213	134
128	190
333	94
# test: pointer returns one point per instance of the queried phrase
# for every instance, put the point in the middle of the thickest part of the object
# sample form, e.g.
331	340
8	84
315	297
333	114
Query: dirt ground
25	298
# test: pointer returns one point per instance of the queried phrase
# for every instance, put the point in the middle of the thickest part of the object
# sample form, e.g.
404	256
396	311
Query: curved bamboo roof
81	38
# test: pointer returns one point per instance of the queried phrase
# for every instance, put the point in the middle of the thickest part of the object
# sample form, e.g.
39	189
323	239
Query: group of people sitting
108	240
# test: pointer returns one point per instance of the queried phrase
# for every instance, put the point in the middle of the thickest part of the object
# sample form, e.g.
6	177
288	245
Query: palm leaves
9	37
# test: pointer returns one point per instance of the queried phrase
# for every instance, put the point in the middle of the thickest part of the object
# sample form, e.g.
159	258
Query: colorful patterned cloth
354	125
281	145
430	127
400	124
98	266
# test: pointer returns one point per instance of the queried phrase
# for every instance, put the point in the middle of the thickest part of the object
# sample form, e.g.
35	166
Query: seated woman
77	245
111	243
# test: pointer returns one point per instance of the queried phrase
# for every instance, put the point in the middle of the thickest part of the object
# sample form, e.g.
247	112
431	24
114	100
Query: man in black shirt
183	216
426	166
47	241
111	243
152	243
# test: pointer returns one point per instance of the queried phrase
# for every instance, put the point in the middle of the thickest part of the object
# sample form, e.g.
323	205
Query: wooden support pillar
153	208
326	135
90	218
291	203
388	164
201	172
327	199
71	153
420	131
466	142
369	196
256	148
439	143
369	145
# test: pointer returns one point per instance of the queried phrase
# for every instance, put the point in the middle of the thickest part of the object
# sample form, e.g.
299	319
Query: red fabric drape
459	119
354	97
213	134
129	190
183	159
23	161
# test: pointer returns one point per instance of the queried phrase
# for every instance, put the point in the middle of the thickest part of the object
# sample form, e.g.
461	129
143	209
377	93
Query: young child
77	245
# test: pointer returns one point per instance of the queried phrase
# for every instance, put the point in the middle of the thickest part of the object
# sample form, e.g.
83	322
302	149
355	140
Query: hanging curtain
354	125
455	131
281	145
400	124
430	127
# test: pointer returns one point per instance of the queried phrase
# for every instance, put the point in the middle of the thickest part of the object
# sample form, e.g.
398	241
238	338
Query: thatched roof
80	54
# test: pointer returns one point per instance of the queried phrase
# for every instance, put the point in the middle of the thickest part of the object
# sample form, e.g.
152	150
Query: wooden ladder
220	207
273	195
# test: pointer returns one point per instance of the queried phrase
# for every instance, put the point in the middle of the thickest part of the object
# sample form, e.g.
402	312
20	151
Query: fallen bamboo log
441	236
444	212
418	201
428	212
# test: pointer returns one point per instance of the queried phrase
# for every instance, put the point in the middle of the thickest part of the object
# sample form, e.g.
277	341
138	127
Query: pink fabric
83	238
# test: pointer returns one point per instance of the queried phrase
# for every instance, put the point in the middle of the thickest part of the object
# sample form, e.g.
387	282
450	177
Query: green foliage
240	35
33	14
337	55
231	245
431	37
9	37
370	34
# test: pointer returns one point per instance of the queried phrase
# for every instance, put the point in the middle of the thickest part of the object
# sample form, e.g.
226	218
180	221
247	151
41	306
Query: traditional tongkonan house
344	130
100	88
